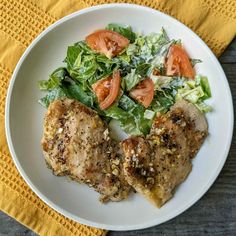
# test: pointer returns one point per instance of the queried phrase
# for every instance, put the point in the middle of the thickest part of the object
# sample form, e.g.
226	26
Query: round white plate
24	121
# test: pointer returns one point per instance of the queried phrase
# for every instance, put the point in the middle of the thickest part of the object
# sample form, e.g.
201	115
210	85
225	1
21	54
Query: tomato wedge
102	88
143	92
178	63
107	90
107	42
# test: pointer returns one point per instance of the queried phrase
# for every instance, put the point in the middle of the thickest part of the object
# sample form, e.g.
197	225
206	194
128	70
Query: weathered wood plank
229	55
10	227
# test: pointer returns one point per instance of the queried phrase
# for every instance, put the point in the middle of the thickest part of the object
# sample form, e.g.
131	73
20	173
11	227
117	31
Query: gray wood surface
214	214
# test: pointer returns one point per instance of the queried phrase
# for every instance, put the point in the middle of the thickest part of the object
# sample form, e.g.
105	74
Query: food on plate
143	92
128	77
149	85
107	42
107	90
76	143
178	62
155	165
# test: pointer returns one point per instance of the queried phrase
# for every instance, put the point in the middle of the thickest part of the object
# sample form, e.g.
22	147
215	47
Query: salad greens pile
144	54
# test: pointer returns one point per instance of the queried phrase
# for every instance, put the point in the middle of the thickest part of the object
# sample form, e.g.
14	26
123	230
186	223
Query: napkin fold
20	22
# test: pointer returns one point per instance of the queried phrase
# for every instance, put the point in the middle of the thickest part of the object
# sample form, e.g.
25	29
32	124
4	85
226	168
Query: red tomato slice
102	88
107	90
107	42
178	63
143	92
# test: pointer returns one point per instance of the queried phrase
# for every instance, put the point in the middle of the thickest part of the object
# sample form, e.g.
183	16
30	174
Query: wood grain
214	214
229	55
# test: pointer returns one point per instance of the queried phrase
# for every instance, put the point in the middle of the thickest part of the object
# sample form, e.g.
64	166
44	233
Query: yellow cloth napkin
20	22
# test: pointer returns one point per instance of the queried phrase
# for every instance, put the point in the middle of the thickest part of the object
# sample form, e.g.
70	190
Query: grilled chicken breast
154	166
76	143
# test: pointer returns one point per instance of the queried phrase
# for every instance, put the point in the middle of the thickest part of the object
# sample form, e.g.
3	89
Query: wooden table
214	214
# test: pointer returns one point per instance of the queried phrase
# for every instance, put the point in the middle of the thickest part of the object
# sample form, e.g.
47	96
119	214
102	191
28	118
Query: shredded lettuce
192	95
147	47
196	91
131	80
149	114
159	58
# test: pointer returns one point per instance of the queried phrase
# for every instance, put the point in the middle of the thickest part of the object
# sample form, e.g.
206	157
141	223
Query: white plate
24	121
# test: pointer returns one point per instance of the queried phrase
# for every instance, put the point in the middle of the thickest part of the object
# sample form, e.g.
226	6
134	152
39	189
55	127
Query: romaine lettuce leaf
86	66
203	107
130	116
137	111
162	101
191	95
195	90
123	58
125	31
126	120
54	80
52	95
143	69
155	41
203	82
73	58
131	80
75	91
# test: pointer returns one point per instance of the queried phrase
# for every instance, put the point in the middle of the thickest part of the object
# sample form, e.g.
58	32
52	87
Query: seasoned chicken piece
198	123
76	143
154	166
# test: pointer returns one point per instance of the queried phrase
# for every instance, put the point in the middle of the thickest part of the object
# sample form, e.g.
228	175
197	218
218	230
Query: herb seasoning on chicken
76	143
154	166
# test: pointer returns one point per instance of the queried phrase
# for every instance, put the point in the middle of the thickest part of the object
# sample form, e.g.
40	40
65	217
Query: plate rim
64	212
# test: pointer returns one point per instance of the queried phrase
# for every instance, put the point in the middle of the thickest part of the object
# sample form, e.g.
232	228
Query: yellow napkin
20	22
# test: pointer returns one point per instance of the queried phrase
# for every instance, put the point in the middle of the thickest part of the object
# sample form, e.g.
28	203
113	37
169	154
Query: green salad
128	77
